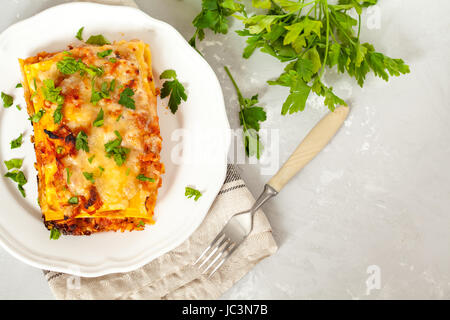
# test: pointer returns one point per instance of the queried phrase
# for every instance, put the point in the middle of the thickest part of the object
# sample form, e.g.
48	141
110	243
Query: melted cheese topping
116	189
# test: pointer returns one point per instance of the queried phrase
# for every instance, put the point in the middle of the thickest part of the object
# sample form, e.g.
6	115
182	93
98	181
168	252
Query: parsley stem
325	3
338	25
240	96
359	26
312	8
301	8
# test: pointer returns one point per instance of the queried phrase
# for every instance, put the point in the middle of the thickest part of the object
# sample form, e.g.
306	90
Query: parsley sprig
214	16
172	88
250	117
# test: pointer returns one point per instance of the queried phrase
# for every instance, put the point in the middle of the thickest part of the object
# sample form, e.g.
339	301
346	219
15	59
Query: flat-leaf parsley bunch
310	36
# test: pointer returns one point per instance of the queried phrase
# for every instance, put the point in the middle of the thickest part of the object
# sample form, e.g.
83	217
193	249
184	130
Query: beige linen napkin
172	275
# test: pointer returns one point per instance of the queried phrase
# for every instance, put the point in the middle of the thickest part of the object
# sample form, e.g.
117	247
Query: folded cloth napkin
172	275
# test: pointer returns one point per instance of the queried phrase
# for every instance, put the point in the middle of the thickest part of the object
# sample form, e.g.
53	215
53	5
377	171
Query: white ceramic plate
21	228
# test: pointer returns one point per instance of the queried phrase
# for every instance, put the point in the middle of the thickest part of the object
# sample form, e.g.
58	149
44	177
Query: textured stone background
378	195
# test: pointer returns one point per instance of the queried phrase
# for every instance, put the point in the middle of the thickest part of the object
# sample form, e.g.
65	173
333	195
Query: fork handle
314	142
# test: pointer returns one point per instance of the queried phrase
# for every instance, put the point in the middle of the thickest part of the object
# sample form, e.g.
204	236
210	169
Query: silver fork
240	225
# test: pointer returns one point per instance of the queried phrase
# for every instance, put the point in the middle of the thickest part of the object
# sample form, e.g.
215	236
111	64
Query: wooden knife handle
314	142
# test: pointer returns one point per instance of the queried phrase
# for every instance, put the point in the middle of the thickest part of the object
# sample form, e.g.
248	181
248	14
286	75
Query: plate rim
108	266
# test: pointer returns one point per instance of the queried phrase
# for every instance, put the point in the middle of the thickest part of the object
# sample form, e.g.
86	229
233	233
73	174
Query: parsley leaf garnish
91	70
89	176
37	116
18	107
81	142
142	177
113	149
191	192
126	100
113	84
51	93
68	175
73	200
16	143
250	117
99	120
79	35
54	234
19	177
7	100
19	85
105	53
22	190
96	95
141	224
57	115
98	40
173	88
68	65
13	164
91	159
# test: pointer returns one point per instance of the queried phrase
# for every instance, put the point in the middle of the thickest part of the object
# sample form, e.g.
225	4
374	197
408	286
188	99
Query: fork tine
225	258
213	252
229	243
209	247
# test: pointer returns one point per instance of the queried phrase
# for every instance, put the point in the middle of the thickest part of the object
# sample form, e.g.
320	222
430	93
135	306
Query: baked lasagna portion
96	136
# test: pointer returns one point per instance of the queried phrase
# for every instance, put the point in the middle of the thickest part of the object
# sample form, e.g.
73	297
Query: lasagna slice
96	137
